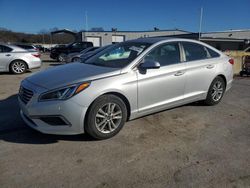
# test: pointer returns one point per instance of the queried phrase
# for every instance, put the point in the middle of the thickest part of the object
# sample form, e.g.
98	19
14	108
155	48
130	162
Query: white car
126	81
18	60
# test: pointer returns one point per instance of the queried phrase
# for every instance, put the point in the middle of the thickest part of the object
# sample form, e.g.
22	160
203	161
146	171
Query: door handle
7	55
210	66
179	73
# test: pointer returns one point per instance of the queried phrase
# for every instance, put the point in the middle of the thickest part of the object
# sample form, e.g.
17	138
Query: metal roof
231	34
144	31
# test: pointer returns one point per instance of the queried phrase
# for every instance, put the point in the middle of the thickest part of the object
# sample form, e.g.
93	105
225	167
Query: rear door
200	70
163	87
5	57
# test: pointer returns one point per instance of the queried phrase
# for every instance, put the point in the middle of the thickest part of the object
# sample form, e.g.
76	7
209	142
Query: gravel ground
188	146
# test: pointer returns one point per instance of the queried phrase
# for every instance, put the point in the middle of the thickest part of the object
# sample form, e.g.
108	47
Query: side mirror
150	64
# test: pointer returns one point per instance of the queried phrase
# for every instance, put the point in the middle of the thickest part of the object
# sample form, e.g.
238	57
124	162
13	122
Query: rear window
212	53
5	49
194	51
26	47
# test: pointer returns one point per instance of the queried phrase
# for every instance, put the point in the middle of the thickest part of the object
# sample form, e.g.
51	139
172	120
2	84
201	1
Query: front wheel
61	57
106	117
216	91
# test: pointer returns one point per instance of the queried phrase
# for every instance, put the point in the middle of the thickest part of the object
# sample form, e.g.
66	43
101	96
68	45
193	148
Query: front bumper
34	112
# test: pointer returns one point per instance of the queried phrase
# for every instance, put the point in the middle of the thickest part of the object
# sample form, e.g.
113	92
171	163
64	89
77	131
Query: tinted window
212	53
5	49
166	54
77	45
194	51
27	47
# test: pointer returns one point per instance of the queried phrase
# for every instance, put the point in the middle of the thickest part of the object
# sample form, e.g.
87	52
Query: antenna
201	15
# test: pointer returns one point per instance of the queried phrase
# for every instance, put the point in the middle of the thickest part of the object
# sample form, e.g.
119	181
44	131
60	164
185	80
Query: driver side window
166	54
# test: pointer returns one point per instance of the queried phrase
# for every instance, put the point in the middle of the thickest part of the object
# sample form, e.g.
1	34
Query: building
222	40
102	38
228	40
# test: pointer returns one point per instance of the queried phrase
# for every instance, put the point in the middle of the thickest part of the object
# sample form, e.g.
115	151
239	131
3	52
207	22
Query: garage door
95	40
117	38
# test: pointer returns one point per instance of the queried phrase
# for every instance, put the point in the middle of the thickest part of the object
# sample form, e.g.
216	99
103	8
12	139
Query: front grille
25	94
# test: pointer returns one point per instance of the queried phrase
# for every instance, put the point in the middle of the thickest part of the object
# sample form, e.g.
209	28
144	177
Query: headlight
63	93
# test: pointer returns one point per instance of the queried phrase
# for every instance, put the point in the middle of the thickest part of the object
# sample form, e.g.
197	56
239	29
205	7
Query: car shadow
13	129
9	73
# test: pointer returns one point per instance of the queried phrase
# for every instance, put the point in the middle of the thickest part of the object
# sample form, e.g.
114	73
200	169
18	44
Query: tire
18	67
216	91
102	123
61	57
76	59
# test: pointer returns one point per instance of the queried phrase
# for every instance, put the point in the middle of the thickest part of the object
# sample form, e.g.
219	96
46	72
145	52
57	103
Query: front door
164	87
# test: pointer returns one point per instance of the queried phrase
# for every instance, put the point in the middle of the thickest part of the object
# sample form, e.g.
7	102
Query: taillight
36	55
231	61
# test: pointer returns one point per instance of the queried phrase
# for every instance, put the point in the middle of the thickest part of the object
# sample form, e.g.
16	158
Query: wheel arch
224	78
18	60
121	96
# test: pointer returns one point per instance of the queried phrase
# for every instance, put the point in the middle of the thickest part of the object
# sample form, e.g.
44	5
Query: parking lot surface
188	146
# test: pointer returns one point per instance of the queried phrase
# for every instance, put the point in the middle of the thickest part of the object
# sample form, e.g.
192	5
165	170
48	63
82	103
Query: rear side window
5	49
166	54
212	53
194	51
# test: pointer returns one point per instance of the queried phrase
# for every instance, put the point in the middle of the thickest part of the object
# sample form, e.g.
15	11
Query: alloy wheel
217	91
18	67
108	118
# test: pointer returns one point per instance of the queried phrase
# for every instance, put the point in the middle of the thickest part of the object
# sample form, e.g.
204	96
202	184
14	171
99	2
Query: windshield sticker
137	49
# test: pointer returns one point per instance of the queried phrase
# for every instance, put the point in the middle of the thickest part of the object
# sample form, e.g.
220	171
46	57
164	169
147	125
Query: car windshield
119	55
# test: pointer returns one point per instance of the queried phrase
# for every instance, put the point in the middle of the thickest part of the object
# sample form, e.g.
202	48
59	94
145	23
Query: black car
60	52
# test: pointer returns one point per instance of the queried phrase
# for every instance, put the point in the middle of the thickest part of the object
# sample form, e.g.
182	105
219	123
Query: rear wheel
18	67
106	117
216	91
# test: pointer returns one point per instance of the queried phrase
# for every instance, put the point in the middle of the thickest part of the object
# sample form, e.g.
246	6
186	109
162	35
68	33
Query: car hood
69	74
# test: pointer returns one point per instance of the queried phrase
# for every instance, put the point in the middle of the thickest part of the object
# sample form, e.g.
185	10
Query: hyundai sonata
124	82
18	60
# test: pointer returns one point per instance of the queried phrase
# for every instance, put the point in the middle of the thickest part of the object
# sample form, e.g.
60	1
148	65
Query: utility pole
201	15
86	20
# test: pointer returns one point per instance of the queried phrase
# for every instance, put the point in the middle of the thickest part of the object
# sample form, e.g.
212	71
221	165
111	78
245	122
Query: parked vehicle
126	81
18	60
75	57
59	53
41	48
28	47
87	55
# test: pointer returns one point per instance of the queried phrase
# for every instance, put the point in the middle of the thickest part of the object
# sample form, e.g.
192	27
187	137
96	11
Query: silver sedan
126	81
18	60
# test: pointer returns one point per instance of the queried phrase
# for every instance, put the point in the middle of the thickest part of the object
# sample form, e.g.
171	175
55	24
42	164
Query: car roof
151	40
